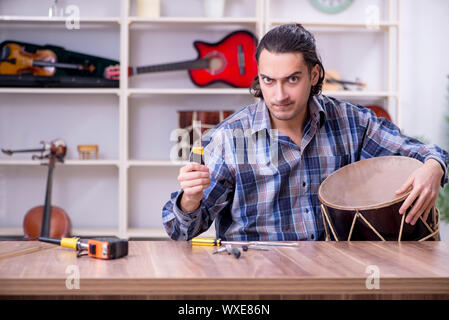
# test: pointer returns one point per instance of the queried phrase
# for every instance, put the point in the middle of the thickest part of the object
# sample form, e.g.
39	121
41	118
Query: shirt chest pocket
329	164
250	179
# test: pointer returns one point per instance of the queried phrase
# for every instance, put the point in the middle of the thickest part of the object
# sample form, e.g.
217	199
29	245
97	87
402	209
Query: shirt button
312	236
303	184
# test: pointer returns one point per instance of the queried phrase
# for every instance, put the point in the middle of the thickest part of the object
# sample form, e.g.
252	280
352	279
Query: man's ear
315	74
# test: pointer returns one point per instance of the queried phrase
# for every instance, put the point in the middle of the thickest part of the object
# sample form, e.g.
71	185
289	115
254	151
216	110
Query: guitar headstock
113	72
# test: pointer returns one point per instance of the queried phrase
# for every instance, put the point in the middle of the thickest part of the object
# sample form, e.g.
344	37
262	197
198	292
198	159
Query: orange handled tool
101	248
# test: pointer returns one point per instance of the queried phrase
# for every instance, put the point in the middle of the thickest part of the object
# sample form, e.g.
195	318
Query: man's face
286	82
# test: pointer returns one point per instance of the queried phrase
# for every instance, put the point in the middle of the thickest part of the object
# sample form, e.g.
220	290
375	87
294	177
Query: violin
14	59
47	220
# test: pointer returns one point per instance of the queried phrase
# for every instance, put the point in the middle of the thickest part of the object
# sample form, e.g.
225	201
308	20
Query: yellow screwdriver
198	155
205	241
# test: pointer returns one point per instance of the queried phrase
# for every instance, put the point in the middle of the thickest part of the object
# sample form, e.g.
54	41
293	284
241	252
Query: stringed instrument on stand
47	220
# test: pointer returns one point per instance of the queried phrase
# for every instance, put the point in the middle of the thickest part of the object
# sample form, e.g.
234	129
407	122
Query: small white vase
148	8
214	8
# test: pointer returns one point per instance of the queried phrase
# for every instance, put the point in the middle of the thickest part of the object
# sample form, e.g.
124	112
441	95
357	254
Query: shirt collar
317	109
261	117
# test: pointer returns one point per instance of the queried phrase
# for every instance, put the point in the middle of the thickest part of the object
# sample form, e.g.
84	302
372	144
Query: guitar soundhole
217	62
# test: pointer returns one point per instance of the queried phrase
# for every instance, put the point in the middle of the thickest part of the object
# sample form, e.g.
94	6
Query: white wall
425	69
424	73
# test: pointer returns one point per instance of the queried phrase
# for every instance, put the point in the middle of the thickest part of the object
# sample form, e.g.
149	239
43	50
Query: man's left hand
425	183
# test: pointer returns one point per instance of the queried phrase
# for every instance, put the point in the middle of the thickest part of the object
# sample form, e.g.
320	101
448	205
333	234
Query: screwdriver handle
197	154
199	241
72	243
236	252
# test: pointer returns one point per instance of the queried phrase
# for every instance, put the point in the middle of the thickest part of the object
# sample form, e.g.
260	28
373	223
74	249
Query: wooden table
169	269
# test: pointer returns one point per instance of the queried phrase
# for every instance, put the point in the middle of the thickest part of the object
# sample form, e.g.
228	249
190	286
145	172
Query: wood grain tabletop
170	268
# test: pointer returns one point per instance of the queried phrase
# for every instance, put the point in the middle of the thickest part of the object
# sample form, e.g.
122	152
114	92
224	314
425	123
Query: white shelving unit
387	24
82	91
134	159
57	20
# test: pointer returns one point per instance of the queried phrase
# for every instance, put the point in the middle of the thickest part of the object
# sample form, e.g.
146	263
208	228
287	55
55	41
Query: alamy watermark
230	146
73	277
73	17
70	12
372	20
372	282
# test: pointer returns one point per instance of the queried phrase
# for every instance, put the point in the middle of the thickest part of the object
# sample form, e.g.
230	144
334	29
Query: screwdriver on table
246	248
204	241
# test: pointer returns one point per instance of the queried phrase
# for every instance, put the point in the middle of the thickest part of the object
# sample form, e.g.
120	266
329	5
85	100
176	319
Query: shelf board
143	20
160	233
18	231
61	90
44	19
11	231
74	162
193	91
193	20
336	24
26	162
20	162
156	163
180	91
360	94
82	232
147	233
99	162
245	91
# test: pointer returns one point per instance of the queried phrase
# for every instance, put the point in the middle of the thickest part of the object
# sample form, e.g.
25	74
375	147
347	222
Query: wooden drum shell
361	220
342	220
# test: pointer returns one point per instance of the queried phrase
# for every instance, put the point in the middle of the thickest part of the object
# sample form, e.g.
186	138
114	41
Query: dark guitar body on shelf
62	77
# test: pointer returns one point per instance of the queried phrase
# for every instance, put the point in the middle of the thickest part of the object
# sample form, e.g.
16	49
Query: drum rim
369	207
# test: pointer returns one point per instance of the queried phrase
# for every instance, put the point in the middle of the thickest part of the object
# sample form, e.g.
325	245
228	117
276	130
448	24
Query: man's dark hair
290	38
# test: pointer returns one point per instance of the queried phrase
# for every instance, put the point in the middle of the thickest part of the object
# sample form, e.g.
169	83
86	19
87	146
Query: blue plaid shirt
265	187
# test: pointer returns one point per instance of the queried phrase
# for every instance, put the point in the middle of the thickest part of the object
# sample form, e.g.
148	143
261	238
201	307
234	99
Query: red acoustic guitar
230	60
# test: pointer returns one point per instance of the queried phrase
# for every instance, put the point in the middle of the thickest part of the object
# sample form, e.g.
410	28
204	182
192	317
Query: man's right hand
193	178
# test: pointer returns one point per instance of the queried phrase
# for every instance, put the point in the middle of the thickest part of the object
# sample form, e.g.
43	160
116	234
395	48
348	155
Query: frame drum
358	202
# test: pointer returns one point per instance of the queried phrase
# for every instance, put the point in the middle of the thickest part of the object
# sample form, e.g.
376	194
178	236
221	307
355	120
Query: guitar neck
183	65
38	63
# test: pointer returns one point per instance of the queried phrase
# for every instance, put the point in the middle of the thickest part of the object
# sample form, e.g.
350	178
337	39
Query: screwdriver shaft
218	242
